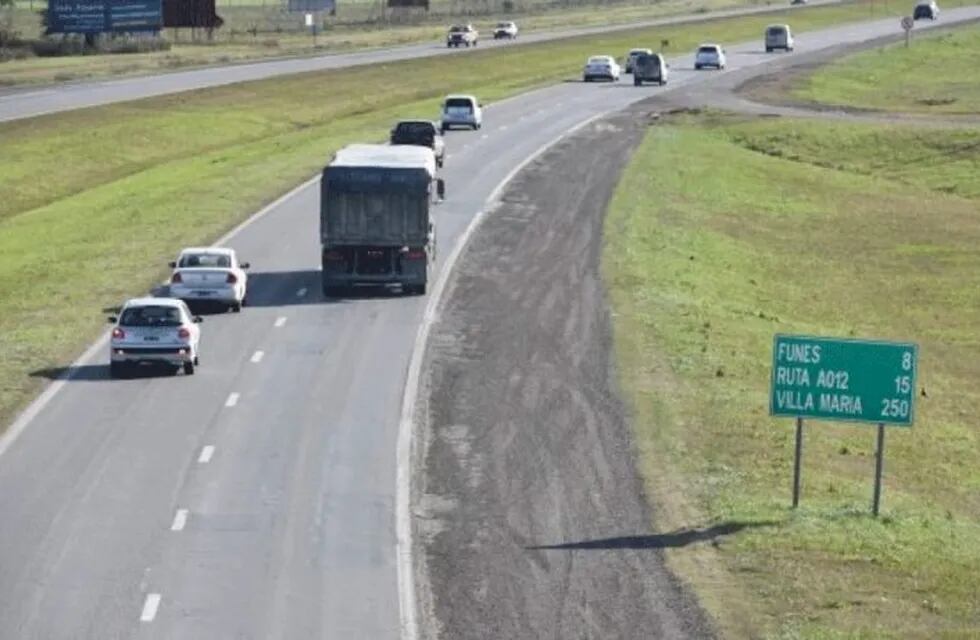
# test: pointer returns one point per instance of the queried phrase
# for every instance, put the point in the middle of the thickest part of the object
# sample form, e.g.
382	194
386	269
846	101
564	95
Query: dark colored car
422	133
650	67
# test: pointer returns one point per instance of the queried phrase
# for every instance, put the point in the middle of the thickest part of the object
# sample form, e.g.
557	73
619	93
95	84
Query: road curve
30	102
257	498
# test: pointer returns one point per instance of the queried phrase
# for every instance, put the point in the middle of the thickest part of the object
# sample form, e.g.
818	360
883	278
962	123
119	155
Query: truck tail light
415	254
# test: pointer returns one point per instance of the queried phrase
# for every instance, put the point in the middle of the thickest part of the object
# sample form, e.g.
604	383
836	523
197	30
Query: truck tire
116	369
636	81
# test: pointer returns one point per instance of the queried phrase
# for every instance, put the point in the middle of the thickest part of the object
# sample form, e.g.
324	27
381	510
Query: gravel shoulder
531	519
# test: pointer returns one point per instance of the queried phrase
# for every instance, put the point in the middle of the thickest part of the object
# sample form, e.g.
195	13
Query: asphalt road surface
28	102
256	499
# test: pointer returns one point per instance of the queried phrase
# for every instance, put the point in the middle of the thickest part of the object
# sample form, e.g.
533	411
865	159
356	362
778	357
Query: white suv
710	55
461	111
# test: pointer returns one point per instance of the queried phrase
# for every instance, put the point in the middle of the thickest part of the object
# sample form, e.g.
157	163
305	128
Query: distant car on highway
462	35
650	67
505	30
710	55
210	275
928	9
797	2
154	331
461	111
631	57
423	133
778	36
604	67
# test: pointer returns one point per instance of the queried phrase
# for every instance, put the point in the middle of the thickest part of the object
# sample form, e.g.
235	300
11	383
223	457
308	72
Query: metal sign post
845	380
798	463
879	464
907	23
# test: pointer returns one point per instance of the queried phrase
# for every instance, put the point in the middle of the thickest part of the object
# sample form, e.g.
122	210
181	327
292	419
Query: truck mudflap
344	267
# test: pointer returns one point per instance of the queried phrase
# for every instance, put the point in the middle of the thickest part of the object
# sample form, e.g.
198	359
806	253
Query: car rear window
150	316
456	29
776	31
415	128
710	49
599	60
459	102
205	260
646	60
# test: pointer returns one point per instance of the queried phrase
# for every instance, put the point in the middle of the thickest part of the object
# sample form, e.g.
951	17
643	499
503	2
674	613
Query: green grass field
931	76
725	231
124	186
257	31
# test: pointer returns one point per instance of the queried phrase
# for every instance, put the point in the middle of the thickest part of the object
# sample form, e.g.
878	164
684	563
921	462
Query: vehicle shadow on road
674	539
283	288
99	372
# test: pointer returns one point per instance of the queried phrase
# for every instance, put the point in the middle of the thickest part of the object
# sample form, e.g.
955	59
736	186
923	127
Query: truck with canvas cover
375	221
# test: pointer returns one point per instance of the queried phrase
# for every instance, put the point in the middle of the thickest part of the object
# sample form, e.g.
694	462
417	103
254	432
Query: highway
29	102
258	498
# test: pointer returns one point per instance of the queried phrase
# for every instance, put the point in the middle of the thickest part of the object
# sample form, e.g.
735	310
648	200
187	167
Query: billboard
312	6
102	16
191	13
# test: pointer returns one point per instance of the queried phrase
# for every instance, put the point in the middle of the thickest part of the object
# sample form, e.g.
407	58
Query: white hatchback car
710	55
154	331
210	275
601	67
505	30
461	111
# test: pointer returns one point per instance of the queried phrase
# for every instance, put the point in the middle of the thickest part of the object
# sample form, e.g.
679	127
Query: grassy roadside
725	231
169	171
280	35
928	77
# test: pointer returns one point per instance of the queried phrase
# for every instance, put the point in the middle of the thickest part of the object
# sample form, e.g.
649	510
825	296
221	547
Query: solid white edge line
232	399
403	449
180	520
34	408
206	454
150	607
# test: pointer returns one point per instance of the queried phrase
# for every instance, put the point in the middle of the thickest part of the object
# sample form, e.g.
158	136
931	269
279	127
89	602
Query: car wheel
697	67
237	307
637	82
768	49
188	368
116	370
663	82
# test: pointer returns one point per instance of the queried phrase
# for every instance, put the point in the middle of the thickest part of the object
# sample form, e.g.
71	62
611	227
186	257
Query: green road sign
838	379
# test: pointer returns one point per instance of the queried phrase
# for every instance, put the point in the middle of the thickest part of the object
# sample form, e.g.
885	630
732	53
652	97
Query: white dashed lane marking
280	321
232	400
257	356
180	520
206	454
150	607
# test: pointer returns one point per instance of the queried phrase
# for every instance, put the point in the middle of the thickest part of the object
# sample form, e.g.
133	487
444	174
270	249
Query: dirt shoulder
531	518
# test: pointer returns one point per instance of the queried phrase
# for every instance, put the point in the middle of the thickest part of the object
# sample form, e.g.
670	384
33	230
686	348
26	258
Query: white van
779	36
